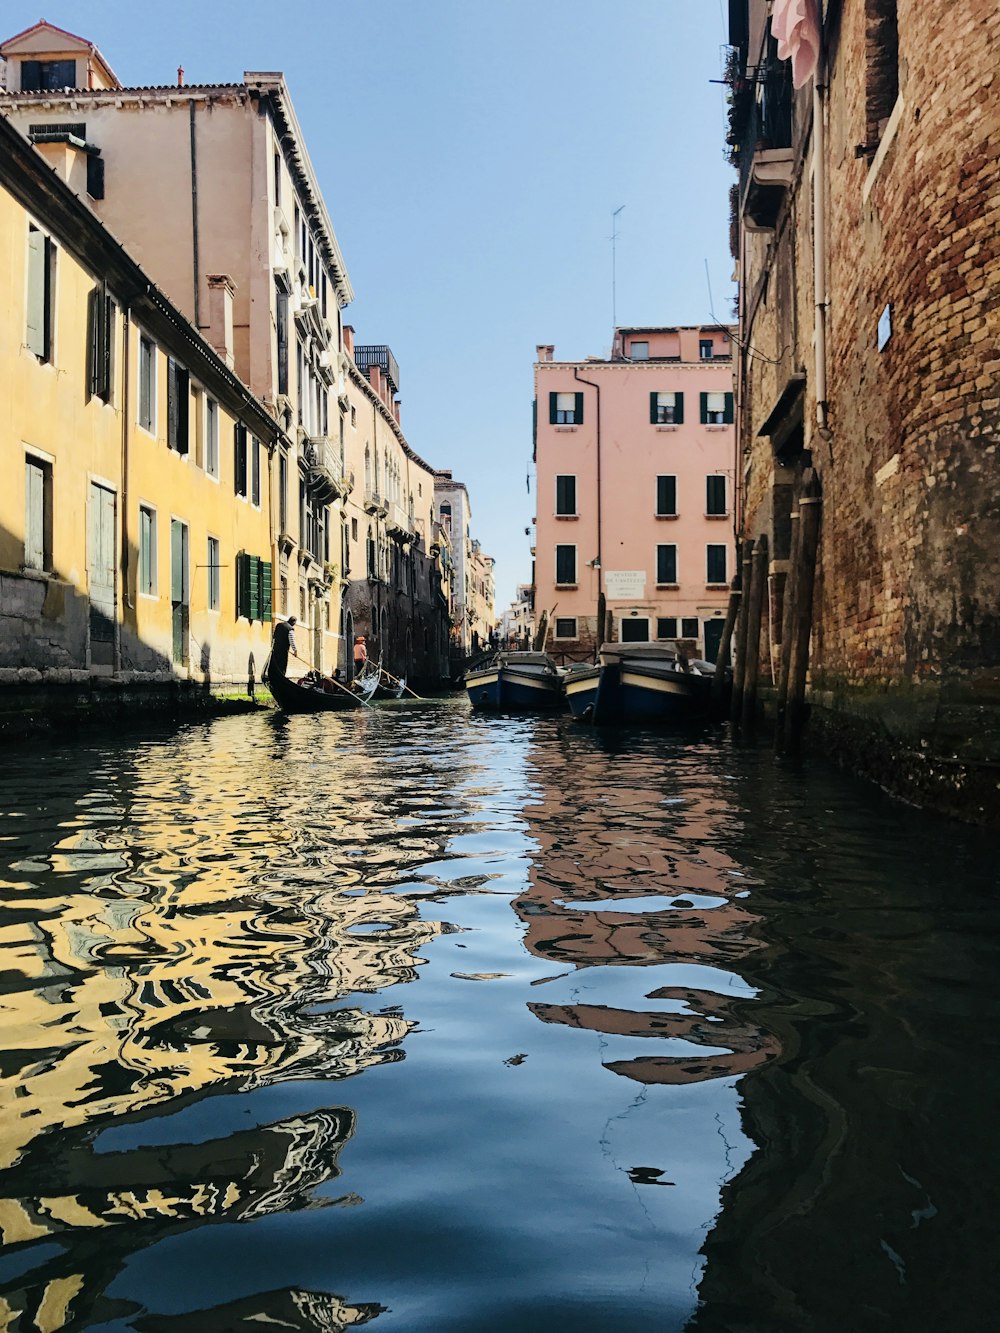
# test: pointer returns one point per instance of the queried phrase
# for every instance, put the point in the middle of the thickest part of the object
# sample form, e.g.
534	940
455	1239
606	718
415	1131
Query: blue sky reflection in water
346	1020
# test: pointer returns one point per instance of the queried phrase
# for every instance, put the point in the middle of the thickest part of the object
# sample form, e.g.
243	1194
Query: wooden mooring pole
809	506
725	644
751	672
740	655
787	621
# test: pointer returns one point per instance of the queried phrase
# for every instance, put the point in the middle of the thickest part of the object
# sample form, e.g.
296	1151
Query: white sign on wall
625	584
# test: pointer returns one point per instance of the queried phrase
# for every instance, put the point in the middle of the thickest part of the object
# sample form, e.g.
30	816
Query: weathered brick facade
905	656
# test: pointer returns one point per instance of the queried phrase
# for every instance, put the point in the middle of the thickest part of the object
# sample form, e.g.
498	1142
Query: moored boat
516	681
640	682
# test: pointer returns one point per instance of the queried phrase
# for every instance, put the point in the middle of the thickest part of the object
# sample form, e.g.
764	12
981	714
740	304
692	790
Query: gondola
297	697
516	681
640	682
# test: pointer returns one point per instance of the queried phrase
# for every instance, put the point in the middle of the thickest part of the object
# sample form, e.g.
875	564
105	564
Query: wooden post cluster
797	624
740	656
755	607
725	645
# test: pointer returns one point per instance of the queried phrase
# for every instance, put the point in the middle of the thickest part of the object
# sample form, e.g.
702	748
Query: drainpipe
819	237
601	599
126	418
194	219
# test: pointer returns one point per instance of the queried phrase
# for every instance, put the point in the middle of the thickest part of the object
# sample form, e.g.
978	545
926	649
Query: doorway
713	637
634	629
101	576
180	584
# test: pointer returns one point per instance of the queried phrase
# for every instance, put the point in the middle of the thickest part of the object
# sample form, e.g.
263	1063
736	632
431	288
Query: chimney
375	379
395	410
349	340
545	352
180	76
221	290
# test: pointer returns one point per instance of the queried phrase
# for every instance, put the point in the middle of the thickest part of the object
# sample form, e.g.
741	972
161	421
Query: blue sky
471	155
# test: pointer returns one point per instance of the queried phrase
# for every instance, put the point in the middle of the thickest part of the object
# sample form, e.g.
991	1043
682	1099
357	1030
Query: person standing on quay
282	643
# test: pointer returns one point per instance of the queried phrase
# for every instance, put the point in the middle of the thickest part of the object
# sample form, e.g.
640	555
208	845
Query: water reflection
694	1041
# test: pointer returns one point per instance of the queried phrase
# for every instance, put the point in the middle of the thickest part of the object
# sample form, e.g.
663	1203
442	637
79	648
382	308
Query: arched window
445	515
368	471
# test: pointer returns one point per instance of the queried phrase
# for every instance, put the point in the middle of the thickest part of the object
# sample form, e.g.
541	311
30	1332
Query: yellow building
134	529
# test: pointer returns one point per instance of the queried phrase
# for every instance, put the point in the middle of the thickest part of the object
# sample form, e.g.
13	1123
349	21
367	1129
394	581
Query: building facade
454	515
135	539
634	462
865	227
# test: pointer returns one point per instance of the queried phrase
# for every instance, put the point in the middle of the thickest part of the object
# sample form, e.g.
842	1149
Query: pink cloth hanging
795	27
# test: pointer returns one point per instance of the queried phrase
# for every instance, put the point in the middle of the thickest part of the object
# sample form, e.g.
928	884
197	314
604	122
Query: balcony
377	354
399	522
765	156
375	504
326	468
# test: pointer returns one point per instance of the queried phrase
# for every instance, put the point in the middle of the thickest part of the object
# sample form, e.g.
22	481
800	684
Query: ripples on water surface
454	1023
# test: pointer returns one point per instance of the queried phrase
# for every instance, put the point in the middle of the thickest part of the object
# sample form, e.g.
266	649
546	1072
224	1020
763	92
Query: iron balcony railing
377	354
769	119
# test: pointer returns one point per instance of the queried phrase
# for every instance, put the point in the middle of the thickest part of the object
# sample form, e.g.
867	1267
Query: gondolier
282	643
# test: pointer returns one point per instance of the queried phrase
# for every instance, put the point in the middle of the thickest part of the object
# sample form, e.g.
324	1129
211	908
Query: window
276	164
47	75
689	627
147	551
37	513
41	291
716	409
881	68
666	627
354	417
666	409
565	409
212	437
147	384
634	630
95	175
566	497
666	497
715	495
214	571
178	402
565	564
565	627
705	349
253	588
255	471
666	563
101	313
716	564
639	351
354	529
240	459
281	322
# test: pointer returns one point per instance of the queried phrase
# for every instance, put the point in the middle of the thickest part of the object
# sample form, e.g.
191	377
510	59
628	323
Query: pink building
635	476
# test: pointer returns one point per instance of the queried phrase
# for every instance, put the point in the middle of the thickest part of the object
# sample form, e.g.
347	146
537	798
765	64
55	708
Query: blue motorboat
640	682
515	682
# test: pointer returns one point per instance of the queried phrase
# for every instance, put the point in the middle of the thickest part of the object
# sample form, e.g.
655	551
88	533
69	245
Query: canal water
444	1022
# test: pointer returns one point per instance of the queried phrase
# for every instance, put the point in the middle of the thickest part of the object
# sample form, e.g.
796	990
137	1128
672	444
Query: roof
84	42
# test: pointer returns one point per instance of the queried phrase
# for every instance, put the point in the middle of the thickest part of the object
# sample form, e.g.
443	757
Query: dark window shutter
282	321
727	415
255	469
93	339
678	409
704	409
689	627
553	408
578	411
183	407
95	176
242	585
36	315
31	76
171	403
666	495
253	588
654	408
534	427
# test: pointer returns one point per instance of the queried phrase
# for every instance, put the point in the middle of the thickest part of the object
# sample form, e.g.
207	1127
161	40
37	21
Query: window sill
716	425
668	518
39	575
149	597
567	586
667	425
669	587
715	587
717	516
564	518
565	428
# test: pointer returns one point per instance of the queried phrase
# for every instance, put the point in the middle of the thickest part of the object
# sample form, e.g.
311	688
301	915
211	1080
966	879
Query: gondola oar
333	681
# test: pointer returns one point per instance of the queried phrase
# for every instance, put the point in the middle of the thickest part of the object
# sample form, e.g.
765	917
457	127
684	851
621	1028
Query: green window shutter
253	588
264	595
727	415
553	408
578	411
93	339
653	406
704	409
534	427
678	409
176	561
242	585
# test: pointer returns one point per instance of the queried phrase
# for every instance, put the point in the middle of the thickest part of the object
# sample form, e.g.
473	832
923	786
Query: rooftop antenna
614	238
